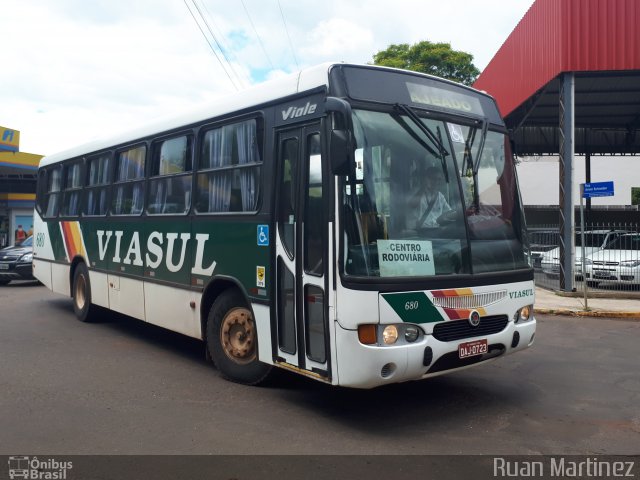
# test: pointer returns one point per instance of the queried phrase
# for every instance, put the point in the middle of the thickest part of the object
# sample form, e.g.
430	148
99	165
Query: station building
18	175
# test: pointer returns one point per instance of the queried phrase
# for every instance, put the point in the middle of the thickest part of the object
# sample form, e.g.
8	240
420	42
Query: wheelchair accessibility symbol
263	235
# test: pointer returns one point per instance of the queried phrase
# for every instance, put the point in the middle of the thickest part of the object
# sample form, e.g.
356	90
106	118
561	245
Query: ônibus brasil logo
37	469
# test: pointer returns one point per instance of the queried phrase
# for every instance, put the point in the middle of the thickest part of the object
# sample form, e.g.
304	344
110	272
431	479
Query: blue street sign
597	189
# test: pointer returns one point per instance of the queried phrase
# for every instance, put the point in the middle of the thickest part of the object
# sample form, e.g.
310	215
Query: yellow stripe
20	158
17	196
463	292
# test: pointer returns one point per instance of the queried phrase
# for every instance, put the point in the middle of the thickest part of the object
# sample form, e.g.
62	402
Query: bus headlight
390	334
524	314
411	333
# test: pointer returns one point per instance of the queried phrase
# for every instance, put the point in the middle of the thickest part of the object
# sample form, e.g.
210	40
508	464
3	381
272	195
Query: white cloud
337	37
76	69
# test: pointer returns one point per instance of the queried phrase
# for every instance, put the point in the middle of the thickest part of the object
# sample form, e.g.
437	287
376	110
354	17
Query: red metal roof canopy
598	42
558	36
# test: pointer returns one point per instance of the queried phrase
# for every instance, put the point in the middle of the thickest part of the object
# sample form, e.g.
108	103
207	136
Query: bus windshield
430	197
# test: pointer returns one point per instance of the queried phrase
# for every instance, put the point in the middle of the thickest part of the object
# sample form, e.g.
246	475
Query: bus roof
301	81
304	80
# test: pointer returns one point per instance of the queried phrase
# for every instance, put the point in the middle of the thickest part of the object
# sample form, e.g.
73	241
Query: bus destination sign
445	99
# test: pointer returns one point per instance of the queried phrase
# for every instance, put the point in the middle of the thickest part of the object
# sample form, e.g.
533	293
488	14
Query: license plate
4	266
471	349
601	273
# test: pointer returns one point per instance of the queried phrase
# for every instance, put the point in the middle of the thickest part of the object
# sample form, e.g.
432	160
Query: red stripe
68	239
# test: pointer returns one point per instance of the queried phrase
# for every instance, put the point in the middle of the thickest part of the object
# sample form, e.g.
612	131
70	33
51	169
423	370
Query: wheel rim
238	336
80	292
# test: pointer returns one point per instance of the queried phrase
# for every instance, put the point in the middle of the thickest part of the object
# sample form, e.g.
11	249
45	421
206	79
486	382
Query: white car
618	263
595	240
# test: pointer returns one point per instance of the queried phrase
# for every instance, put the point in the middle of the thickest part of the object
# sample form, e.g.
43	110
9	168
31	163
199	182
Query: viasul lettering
521	293
170	248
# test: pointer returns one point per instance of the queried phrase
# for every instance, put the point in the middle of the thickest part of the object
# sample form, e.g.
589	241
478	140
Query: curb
588	313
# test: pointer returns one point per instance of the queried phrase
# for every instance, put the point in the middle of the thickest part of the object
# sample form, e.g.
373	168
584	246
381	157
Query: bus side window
228	178
72	190
128	192
97	185
170	186
54	185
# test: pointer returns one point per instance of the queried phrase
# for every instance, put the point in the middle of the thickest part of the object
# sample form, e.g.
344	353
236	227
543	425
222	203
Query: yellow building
18	175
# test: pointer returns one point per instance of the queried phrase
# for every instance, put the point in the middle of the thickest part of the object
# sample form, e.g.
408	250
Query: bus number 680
413	305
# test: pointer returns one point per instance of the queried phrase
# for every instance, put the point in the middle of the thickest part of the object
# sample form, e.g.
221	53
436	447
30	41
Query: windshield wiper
476	163
424	128
435	139
468	161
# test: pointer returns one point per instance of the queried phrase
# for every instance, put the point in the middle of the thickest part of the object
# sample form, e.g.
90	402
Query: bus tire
81	294
232	340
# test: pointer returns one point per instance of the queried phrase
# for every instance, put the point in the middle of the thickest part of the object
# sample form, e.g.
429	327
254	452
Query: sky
77	70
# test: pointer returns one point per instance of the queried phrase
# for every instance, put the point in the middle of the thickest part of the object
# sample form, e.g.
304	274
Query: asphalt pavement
123	386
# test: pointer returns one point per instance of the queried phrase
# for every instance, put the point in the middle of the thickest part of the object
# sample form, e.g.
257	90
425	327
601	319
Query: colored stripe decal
453	313
72	240
414	307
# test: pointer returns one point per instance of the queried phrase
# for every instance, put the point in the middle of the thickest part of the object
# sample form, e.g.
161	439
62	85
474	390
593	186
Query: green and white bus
355	224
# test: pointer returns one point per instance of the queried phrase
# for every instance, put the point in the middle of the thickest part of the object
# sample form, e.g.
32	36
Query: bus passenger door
301	254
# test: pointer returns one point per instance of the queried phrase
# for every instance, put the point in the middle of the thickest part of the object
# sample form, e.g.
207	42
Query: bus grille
470	301
459	329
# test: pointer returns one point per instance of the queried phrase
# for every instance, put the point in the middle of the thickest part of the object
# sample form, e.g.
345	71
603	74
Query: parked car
594	240
15	262
618	263
542	241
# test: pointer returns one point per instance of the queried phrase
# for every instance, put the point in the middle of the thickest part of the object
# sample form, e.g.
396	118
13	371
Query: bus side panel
42	271
60	279
99	288
263	326
169	307
126	295
42	251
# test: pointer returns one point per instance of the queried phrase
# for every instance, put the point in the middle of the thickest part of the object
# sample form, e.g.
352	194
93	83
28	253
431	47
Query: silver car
618	263
594	241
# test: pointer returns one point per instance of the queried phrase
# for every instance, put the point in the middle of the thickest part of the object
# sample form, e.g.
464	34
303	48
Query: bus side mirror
340	152
341	146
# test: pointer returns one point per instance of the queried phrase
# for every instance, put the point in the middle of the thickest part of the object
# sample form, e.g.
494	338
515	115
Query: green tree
635	195
432	58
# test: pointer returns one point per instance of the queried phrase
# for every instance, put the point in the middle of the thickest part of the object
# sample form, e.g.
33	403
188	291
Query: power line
287	31
210	46
257	35
222	40
219	43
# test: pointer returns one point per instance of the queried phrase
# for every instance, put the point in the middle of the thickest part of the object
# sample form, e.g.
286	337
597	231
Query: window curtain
119	200
219	155
247	154
138	198
103	202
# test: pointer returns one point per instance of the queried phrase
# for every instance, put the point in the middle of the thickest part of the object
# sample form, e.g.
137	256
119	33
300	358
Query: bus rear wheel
81	293
232	340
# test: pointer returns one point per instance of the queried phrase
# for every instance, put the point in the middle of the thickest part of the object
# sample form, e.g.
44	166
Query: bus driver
429	202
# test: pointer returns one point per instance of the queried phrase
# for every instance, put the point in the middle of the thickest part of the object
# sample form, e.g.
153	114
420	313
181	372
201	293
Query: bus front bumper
368	366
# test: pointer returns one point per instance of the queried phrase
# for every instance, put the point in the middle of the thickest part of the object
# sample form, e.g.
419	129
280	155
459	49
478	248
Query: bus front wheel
232	340
81	293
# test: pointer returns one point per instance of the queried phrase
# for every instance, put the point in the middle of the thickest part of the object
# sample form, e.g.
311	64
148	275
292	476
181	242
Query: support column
567	129
587	179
